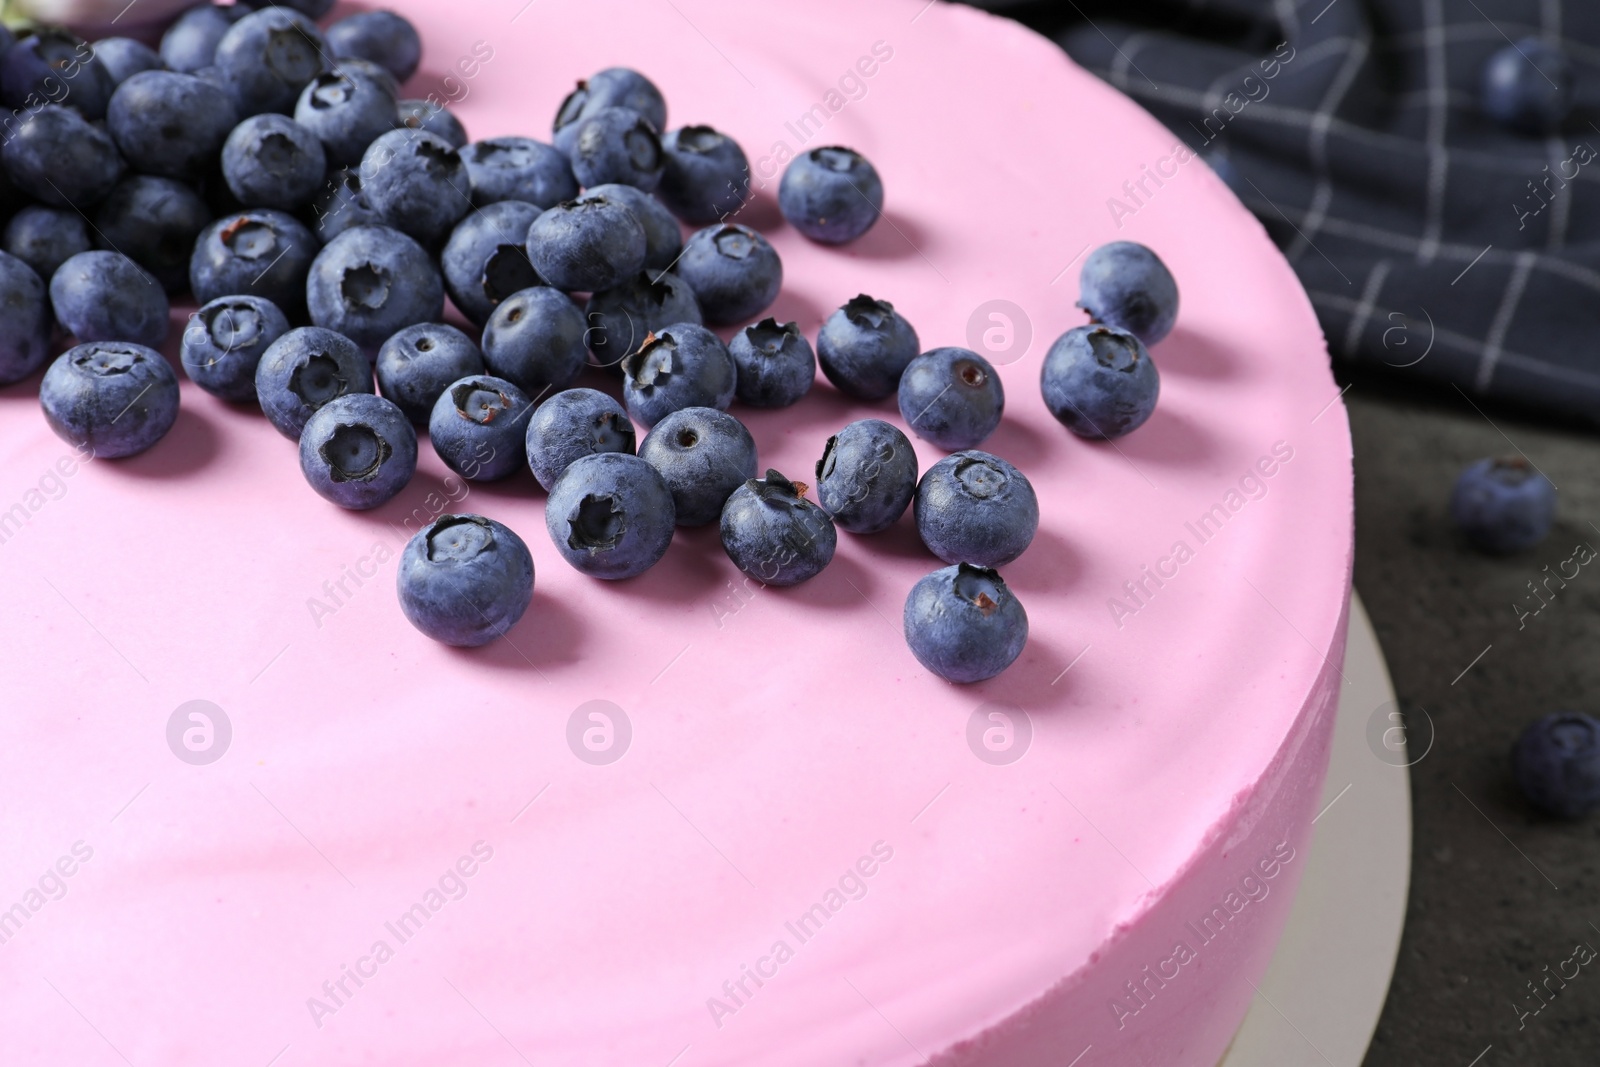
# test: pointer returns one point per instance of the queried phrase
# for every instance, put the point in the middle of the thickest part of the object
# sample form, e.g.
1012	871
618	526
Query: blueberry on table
610	515
123	57
775	364
964	624
25	320
479	427
774	534
273	161
587	245
105	296
341	205
663	237
1528	86
380	36
170	124
679	366
358	451
267	57
55	64
303	370
973	507
1503	505
704	455
832	195
464	579
59	158
534	338
1126	285
346	110
190	43
46	237
867	476
416	365
431	117
225	341
572	424
1556	762
155	222
620	318
706	176
1099	381
417	184
734	271
864	346
111	397
952	398
612	87
486	258
518	168
370	282
261	253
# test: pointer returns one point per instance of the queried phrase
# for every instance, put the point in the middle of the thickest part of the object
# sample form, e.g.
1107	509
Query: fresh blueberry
867	476
704	455
663	237
417	184
267	57
341	205
617	144
190	43
534	339
622	317
679	366
1503	505
586	245
518	168
225	341
24	320
56	65
832	195
253	253
706	176
1528	86
373	72
1126	285
864	346
105	296
381	36
123	57
1099	381
303	370
272	161
612	87
952	398
465	580
774	534
346	112
113	397
432	117
1556	762
610	515
358	451
572	424
775	364
46	237
973	507
311	9
479	427
59	158
486	258
370	282
964	624
734	271
170	124
416	365
155	222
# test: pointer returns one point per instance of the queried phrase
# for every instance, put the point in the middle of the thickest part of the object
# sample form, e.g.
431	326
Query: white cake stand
1325	988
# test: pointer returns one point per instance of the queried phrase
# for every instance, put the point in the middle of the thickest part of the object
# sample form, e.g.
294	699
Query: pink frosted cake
684	820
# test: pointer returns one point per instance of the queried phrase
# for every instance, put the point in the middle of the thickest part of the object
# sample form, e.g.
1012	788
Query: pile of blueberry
270	169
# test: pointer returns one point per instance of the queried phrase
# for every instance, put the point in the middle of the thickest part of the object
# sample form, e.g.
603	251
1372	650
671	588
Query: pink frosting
788	756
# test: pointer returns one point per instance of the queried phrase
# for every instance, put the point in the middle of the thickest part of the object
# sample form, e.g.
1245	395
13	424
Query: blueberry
867	476
774	534
1528	86
155	222
1099	381
612	87
311	9
734	271
586	245
346	112
678	366
1503	505
617	144
416	365
105	296
432	117
381	36
170	124
704	455
465	580
832	195
225	341
303	370
358	451
952	398
610	515
973	507
56	65
663	238
534	339
24	320
253	253
518	168
1556	762
964	624
267	57
706	176
370	282
864	346
341	205
479	425
571	424
59	158
1126	285
46	237
417	184
273	161
374	72
191	42
622	317
775	364
486	258
123	57
113	397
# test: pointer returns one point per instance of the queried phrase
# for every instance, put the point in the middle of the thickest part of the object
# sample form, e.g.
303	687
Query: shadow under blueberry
1169	439
191	444
1191	355
549	636
893	237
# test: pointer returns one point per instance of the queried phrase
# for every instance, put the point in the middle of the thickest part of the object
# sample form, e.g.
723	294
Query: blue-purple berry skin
50	63
867	476
621	318
1124	284
432	117
261	253
535	339
663	237
383	37
952	398
370	282
832	195
1099	382
610	515
704	455
486	258
25	320
358	451
864	346
617	144
1528	86
1556	763
1503	505
105	296
587	245
479	427
60	158
572	424
612	87
190	43
974	507
465	580
267	57
706	176
417	183
734	271
964	624
110	398
170	124
774	534
123	57
680	366
417	364
46	237
303	370
346	111
518	168
775	364
155	222
272	161
224	342
341	205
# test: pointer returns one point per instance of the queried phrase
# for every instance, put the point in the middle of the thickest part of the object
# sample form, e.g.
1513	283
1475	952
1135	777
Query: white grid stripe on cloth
1516	285
1438	115
1363	312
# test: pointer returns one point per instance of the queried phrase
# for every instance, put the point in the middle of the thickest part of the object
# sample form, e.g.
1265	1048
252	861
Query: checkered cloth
1429	239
